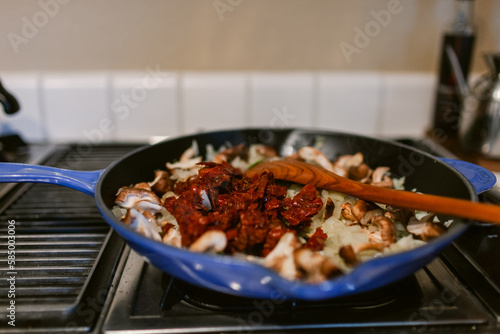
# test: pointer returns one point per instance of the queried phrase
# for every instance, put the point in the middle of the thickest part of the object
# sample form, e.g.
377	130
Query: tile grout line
315	99
248	108
380	108
42	104
180	103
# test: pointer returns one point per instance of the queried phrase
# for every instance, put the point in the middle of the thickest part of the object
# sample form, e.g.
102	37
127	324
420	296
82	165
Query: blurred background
120	70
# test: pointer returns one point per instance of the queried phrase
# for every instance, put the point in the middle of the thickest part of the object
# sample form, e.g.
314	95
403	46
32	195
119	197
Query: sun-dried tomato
231	234
317	241
192	223
302	207
248	210
276	231
252	231
217	175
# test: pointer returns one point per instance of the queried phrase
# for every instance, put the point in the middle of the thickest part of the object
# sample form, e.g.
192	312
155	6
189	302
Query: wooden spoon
304	173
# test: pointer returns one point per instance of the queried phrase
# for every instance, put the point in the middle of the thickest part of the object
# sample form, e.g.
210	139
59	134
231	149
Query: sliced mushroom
367	218
381	179
173	238
340	171
328	210
190	153
311	154
425	228
368	178
231	153
281	258
143	185
183	170
136	220
379	173
186	164
295	157
149	216
329	269
141	199
360	208
314	266
359	172
266	151
213	240
348	255
377	246
401	215
346	211
364	211
347	162
386	227
162	183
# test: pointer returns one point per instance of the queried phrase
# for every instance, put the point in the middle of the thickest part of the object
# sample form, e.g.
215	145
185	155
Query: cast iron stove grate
148	300
60	242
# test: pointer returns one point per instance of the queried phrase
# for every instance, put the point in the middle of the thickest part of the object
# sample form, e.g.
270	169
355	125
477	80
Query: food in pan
210	205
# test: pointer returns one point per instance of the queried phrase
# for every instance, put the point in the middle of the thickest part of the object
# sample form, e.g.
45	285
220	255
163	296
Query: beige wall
282	35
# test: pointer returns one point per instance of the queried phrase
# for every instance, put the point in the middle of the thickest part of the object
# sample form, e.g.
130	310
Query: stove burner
177	290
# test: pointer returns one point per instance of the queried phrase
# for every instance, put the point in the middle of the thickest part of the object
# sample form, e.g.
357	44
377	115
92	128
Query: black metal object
8	101
11	144
11	147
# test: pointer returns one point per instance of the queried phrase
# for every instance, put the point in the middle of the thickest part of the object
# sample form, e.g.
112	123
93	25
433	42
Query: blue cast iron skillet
226	274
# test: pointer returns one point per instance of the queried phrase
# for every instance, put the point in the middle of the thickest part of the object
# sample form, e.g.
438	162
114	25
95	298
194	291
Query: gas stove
74	274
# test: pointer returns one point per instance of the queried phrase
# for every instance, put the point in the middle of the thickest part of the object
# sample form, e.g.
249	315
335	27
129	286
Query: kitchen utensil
234	276
305	173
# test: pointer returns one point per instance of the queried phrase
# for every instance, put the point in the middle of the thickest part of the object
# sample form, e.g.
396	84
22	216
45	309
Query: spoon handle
304	173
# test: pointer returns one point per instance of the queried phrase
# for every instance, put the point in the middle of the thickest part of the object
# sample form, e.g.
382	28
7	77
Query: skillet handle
84	181
481	178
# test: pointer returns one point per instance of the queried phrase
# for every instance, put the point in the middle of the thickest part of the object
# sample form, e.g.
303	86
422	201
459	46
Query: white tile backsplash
28	121
282	99
143	106
76	107
135	106
407	100
349	102
213	101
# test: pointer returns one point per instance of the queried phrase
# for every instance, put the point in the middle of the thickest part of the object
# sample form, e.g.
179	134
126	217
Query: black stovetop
76	275
433	299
